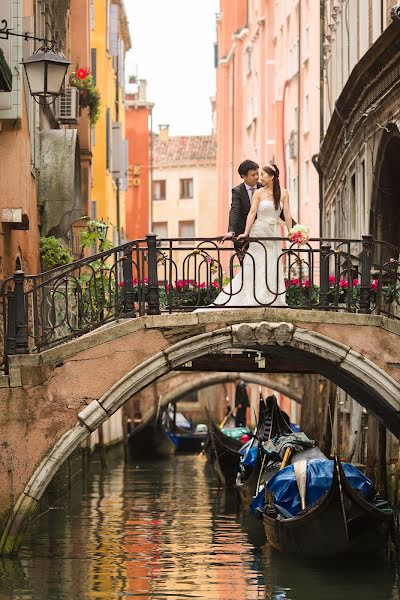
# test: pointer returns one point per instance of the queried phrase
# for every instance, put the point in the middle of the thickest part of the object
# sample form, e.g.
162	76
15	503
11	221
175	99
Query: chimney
142	90
163	133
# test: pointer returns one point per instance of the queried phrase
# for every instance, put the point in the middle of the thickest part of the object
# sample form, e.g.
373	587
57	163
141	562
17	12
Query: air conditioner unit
67	106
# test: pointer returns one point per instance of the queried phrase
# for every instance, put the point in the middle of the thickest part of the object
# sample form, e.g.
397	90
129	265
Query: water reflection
164	530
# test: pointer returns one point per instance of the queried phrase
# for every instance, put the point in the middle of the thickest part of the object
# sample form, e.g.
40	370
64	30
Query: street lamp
45	71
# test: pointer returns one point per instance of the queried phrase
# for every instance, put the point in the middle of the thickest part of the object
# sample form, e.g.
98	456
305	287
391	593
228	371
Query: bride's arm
251	216
286	209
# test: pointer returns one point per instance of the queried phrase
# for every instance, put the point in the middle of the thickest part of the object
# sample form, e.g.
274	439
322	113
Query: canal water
165	530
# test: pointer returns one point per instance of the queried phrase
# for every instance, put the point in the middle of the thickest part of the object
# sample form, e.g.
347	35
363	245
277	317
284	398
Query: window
94	210
186	188
306	181
159	189
353	203
93	55
92	15
186	230
362	198
161	230
108	139
306	113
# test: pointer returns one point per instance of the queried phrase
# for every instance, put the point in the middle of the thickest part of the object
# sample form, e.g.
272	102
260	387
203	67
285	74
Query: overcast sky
173	48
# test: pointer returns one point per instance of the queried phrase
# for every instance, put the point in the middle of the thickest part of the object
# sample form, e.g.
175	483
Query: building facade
184	188
138	117
267	98
360	150
110	41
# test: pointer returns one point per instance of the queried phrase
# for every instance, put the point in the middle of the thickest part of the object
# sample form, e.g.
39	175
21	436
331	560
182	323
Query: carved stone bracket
263	333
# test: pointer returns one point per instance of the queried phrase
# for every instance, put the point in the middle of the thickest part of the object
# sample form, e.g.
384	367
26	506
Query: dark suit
240	208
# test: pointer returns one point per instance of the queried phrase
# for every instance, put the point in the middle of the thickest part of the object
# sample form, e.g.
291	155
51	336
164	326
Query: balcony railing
151	276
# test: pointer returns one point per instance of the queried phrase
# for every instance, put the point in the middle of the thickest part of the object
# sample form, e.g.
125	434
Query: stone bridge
178	384
51	401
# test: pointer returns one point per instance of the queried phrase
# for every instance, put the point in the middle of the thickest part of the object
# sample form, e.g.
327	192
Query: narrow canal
164	530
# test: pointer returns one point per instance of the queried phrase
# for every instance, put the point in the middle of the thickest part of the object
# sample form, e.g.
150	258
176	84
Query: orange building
138	111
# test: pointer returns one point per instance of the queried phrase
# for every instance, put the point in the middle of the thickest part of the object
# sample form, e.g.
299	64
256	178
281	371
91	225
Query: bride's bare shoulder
284	193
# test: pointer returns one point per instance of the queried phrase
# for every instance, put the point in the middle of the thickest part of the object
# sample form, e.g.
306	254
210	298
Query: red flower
306	283
374	285
343	283
81	74
202	285
332	279
121	284
355	282
215	284
294	281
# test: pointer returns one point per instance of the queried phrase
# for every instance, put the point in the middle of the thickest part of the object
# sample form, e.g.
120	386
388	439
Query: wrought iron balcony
150	276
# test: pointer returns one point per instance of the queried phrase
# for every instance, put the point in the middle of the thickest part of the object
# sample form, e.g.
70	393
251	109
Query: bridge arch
368	383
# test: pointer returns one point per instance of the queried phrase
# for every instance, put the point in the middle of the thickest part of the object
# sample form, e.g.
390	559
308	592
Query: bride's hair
273	171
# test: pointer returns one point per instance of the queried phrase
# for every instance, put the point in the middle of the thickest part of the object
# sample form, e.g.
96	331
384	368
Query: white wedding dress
260	281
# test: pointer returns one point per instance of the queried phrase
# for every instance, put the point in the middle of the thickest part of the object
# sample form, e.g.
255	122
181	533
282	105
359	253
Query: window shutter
11	102
93	55
114	30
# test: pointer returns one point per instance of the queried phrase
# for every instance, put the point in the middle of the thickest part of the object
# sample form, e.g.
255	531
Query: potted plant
89	96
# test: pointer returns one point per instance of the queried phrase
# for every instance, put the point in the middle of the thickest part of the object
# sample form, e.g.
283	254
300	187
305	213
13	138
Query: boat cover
235	432
250	458
319	477
275	448
180	420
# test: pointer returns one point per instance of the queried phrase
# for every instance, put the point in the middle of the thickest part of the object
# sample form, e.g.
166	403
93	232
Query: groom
241	200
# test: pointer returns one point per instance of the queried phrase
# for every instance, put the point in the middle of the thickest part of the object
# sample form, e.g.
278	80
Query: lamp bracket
5	33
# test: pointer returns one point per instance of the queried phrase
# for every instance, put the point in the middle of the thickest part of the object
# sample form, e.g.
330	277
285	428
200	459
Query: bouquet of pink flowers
299	234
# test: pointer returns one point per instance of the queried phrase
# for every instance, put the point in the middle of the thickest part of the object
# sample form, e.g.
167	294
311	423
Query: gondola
271	422
183	435
148	440
341	523
224	453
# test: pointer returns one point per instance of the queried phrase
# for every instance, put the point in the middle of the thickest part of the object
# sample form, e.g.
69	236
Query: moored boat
254	470
343	522
224	451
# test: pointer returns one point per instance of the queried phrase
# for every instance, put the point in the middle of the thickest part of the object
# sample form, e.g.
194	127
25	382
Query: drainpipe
151	170
233	120
315	162
299	122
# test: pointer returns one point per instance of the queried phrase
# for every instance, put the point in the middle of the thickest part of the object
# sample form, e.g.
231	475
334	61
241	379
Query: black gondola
149	440
224	452
342	523
271	422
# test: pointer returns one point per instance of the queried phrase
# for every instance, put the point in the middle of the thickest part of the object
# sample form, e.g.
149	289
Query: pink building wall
263	106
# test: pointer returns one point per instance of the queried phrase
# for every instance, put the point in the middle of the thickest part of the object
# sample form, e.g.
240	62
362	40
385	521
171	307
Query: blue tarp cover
249	459
319	478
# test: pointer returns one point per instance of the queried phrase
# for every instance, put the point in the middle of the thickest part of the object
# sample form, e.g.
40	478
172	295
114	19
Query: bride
260	281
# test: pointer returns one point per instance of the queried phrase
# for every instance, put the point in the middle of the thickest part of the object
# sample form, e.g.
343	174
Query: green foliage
91	95
95	233
53	254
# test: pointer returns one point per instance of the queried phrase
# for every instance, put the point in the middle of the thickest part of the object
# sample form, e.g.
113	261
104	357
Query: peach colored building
138	111
184	195
267	101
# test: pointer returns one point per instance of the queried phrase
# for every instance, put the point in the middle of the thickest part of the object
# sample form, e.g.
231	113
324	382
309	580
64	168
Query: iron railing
151	276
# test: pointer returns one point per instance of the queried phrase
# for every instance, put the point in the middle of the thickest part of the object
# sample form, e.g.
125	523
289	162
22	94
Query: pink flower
306	283
343	283
355	282
374	285
332	279
215	284
135	281
286	282
202	285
